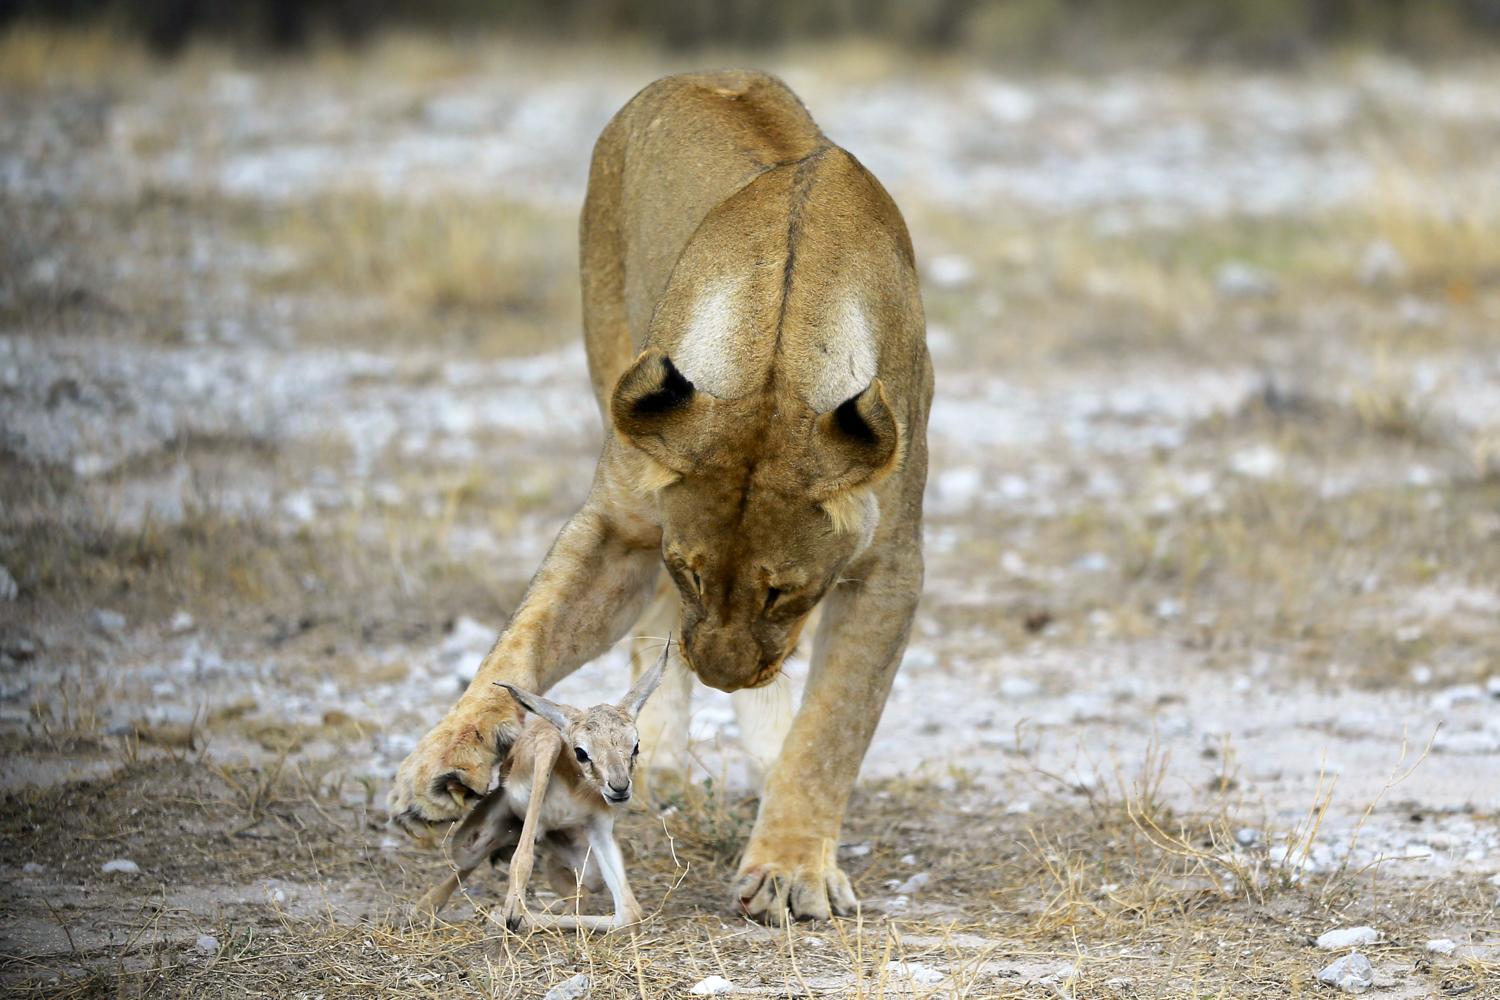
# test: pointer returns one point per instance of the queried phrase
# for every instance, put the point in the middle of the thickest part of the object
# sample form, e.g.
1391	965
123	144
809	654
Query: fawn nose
620	791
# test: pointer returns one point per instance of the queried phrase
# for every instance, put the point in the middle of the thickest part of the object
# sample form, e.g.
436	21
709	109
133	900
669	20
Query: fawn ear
537	705
646	683
857	442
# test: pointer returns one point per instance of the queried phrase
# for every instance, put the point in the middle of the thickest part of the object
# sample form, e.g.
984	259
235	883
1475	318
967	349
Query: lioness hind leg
663	723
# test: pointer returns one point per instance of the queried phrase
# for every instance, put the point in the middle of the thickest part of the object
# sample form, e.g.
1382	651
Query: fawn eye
581	754
636	752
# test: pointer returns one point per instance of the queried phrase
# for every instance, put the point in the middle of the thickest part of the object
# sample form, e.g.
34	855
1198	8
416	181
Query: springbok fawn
559	787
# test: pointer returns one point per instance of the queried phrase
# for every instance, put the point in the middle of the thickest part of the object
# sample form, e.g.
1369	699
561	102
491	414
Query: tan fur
721	227
562	779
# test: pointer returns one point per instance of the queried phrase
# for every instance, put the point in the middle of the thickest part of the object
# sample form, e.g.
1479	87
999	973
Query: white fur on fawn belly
561	810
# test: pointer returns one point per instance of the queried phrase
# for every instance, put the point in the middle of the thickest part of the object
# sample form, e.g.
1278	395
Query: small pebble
122	866
1441	946
569	989
1238	280
9	589
108	621
914	884
207	945
1347	937
1352	973
908	859
922	975
713	986
181	622
32	868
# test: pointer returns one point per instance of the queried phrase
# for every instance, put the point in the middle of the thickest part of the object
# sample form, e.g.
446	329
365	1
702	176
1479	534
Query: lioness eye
581	754
697	583
771	595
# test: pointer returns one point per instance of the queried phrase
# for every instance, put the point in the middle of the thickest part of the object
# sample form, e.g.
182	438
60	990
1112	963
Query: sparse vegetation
287	427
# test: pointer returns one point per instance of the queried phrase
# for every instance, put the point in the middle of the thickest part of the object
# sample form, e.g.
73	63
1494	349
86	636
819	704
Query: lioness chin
757	348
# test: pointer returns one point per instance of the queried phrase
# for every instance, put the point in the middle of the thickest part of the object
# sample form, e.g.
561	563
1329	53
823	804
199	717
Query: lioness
757	346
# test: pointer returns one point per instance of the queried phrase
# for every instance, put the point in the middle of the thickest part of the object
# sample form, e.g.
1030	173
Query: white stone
1258	462
914	884
917	972
32	868
1381	264
181	622
108	621
1019	687
949	270
206	945
1238	280
1441	946
9	589
122	866
1348	937
908	859
1352	973
574	988
856	850
713	986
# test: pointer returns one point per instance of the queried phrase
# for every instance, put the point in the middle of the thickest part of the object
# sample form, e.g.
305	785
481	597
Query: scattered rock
856	850
914	884
1247	837
32	868
9	589
1348	937
569	989
1019	687
1257	462
181	622
949	270
908	859
1442	946
713	986
922	975
121	866
1352	973
109	622
1238	280
207	945
1381	264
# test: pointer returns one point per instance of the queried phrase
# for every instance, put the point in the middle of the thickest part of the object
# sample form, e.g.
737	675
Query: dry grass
1078	898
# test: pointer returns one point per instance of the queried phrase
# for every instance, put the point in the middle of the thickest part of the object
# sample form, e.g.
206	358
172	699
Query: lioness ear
857	442
651	405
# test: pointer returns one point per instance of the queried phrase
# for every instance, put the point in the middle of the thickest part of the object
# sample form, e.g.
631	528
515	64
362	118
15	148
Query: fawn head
602	740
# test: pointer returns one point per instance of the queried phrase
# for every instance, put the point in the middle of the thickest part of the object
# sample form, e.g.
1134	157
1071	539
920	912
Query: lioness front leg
790	865
591	587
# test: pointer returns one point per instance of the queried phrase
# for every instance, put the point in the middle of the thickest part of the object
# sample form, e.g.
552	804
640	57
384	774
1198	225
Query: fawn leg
514	912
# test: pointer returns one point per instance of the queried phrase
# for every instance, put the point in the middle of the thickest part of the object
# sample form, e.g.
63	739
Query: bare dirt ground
292	401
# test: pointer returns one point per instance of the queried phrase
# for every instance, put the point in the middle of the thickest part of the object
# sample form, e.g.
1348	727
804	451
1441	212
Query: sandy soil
293	404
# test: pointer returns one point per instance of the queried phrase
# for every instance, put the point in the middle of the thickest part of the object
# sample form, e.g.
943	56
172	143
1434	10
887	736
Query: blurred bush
1027	30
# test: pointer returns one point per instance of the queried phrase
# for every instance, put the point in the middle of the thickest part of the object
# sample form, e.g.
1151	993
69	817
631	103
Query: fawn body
559	787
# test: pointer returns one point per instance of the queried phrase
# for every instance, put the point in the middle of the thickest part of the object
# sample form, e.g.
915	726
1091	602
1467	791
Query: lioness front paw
797	878
448	772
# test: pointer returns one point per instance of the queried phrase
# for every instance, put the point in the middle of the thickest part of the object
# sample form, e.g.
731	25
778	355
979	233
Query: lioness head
763	504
